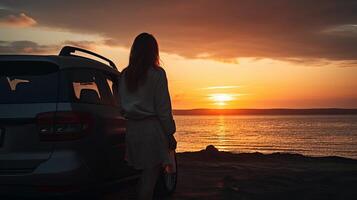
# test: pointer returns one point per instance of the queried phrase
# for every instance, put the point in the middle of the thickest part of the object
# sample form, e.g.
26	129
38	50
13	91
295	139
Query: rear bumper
64	172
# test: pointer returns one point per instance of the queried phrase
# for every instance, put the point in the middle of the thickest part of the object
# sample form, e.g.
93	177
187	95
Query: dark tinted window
28	82
86	86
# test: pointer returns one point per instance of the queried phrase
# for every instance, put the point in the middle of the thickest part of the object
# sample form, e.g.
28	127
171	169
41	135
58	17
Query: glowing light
221	87
222	99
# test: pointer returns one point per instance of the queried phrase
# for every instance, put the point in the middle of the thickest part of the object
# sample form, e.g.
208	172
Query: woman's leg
147	182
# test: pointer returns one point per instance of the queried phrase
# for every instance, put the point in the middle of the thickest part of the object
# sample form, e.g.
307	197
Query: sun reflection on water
221	132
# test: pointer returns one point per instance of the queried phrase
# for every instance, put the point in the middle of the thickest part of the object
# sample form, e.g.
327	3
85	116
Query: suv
61	129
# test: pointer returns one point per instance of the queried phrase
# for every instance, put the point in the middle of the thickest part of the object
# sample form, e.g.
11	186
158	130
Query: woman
146	103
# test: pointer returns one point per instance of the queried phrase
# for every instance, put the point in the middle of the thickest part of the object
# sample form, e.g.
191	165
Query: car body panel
21	148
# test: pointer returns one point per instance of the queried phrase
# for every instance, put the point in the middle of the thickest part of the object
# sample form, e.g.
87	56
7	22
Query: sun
221	99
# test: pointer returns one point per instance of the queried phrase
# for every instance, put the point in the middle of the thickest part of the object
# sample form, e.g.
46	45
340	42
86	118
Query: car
61	128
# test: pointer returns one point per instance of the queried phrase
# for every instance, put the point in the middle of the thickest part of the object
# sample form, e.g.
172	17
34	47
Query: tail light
59	126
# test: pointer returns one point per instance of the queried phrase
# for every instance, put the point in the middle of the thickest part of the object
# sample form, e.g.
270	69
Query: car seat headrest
89	96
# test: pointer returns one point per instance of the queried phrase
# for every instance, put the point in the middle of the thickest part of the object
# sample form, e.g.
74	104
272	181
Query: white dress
150	120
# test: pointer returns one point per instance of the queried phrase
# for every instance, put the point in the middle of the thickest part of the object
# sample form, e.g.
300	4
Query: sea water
313	135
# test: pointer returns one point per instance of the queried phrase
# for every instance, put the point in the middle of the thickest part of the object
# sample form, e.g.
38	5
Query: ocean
312	135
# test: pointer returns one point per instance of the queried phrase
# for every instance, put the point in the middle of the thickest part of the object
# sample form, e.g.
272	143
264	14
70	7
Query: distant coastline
274	111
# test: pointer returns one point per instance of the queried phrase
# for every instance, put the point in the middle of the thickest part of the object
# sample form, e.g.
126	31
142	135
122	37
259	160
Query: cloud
26	47
347	30
17	20
322	62
111	42
295	30
221	87
31	47
90	45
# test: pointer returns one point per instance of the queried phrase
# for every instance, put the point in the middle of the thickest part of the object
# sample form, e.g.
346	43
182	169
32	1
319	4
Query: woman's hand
172	142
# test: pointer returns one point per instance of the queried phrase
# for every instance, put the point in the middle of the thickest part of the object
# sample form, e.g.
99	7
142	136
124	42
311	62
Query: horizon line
278	108
268	111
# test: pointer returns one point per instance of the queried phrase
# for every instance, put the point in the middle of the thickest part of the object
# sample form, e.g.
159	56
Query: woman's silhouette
145	102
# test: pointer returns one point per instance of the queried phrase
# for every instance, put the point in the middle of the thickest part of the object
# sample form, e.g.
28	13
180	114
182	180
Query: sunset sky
217	53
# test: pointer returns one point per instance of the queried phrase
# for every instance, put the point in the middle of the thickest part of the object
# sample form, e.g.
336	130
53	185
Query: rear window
87	86
28	82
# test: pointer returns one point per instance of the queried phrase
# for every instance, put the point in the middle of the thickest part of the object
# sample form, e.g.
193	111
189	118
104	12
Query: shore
211	174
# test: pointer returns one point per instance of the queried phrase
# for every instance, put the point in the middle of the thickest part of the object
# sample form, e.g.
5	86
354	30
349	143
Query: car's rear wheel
166	184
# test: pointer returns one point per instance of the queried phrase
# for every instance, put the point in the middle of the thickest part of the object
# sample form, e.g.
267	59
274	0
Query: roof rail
67	50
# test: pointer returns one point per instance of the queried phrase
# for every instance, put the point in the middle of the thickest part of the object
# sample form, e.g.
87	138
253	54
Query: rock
212	150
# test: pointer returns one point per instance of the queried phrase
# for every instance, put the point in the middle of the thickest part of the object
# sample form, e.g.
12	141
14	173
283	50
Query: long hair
144	54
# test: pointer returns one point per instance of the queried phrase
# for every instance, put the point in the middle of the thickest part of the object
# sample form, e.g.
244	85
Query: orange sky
254	83
234	58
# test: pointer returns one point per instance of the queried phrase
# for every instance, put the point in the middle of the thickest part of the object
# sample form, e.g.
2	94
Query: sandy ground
210	174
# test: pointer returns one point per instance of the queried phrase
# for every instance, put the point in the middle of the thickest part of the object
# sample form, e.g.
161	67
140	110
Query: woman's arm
163	104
